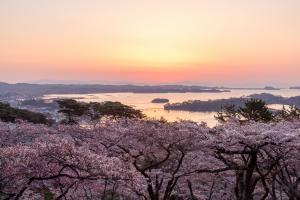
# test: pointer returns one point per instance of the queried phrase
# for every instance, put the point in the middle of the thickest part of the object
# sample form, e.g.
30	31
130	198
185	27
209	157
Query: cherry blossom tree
256	152
53	161
150	159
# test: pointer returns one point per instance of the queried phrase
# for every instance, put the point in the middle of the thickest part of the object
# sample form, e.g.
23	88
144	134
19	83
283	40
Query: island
271	88
160	100
295	88
218	104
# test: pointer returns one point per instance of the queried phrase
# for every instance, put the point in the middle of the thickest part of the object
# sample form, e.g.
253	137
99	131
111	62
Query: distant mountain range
80	82
41	89
30	89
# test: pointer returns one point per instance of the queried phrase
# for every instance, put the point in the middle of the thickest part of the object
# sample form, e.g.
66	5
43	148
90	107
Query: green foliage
10	114
73	110
254	109
114	109
112	195
227	112
48	195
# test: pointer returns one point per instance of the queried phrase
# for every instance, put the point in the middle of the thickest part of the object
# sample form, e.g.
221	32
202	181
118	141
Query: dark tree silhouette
253	110
256	110
113	109
72	110
10	114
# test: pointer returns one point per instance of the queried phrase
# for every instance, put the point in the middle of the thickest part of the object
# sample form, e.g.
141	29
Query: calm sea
152	110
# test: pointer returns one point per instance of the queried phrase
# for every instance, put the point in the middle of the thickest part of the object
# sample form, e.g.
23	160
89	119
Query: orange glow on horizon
209	41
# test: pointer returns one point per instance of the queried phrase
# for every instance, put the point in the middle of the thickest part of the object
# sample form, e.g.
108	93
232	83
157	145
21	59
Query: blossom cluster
150	159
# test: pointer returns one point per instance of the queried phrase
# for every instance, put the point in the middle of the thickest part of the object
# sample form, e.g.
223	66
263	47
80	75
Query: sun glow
208	40
159	57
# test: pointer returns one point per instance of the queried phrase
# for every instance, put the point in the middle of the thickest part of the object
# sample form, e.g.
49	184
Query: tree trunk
245	181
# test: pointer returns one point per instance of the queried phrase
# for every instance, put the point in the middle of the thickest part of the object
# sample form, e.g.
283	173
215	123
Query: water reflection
152	110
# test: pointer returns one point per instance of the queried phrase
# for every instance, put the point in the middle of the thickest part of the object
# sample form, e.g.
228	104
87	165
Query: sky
212	42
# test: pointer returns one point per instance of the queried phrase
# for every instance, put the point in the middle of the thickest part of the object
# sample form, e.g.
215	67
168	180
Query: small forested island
216	105
160	100
270	88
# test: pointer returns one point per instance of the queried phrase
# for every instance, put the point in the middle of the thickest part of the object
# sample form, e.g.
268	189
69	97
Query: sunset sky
215	42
